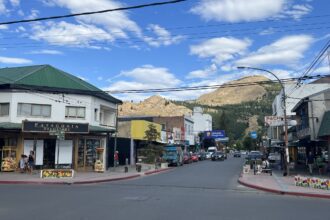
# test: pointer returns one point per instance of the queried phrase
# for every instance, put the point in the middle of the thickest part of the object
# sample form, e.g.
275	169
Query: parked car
218	156
254	155
243	152
237	154
187	158
208	155
274	157
194	158
201	156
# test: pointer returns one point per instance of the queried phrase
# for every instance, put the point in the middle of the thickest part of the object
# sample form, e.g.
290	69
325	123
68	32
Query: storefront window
87	152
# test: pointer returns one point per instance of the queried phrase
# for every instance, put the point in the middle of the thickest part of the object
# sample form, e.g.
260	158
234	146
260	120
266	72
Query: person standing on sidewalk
310	162
116	158
31	161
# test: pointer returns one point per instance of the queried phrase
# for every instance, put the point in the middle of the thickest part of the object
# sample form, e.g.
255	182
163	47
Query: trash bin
138	167
126	169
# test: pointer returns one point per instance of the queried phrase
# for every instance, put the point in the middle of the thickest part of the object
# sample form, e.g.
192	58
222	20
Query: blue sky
198	42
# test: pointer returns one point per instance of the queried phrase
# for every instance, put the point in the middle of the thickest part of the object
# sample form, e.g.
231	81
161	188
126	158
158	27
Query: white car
208	155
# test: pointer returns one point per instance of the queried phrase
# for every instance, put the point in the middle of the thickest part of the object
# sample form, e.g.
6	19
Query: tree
151	134
249	143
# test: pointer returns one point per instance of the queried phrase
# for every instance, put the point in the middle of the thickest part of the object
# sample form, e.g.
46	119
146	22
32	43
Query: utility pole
286	141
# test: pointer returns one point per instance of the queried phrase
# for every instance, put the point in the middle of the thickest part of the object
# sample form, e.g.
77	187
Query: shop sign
54	127
57	173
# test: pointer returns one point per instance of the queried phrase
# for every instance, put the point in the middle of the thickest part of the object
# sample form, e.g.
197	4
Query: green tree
151	134
249	143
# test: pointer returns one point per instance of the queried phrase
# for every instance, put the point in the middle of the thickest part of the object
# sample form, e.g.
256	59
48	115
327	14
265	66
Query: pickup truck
173	155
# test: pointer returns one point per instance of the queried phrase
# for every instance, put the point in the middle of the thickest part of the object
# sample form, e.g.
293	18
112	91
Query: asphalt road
203	190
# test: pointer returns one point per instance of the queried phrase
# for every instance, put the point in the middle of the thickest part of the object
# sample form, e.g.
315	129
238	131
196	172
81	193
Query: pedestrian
23	163
310	162
31	161
116	158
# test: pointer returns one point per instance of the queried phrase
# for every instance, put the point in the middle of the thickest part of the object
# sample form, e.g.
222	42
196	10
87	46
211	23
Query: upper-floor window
75	112
35	110
4	109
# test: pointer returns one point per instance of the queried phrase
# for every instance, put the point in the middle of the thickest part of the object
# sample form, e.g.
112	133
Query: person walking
31	161
310	162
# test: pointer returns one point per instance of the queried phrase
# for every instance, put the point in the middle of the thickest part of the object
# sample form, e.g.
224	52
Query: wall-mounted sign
253	134
54	127
216	134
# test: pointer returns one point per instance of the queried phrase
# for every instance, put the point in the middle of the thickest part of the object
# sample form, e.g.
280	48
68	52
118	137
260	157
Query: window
75	112
35	110
4	109
96	113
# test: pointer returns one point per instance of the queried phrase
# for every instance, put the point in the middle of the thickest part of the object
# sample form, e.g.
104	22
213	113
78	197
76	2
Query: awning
10	126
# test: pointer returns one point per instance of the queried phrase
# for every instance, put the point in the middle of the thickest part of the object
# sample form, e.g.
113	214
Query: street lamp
286	156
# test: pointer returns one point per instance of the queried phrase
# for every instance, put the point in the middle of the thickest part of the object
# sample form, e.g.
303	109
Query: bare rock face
235	95
153	106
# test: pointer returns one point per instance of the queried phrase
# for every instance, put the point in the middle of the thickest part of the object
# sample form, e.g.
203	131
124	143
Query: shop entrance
49	153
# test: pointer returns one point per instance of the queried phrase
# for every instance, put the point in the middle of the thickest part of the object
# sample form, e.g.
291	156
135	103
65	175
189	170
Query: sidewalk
279	184
113	174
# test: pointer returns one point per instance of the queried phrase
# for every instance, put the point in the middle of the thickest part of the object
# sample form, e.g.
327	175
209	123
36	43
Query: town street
203	190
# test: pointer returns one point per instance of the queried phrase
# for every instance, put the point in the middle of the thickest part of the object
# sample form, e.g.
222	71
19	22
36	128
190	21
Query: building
312	129
63	119
202	122
293	95
131	137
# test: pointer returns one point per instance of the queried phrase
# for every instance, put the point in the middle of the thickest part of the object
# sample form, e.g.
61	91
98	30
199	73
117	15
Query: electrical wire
91	12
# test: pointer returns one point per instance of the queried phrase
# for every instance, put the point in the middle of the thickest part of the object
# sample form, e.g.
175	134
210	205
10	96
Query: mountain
235	95
153	106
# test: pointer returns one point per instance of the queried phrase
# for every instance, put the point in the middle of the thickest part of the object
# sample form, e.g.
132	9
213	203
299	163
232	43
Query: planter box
164	165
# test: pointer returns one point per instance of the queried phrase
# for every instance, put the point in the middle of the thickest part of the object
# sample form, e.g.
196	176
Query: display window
87	152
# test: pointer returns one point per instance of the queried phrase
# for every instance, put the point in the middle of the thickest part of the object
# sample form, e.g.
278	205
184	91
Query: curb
70	183
18	182
158	171
281	192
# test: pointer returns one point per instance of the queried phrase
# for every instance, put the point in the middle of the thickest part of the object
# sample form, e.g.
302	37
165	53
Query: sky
193	43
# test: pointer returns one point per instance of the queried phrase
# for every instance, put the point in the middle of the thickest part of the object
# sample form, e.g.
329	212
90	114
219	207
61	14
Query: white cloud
322	70
221	49
205	73
63	33
238	10
3	8
50	52
99	78
287	51
298	11
145	77
248	10
3	27
14	60
34	14
116	23
163	37
267	31
15	2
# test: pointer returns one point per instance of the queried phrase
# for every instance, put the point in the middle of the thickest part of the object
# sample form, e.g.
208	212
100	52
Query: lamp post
286	156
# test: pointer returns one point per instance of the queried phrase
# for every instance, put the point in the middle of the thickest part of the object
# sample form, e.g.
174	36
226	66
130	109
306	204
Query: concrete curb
281	192
69	182
158	171
82	182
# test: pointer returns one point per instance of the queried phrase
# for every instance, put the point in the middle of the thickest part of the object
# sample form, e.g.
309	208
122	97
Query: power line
90	43
228	85
91	12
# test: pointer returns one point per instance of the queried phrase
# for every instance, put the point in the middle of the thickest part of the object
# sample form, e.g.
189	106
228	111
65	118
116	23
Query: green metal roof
99	129
48	78
325	125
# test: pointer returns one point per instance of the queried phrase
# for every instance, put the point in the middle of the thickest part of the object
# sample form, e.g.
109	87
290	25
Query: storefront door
49	153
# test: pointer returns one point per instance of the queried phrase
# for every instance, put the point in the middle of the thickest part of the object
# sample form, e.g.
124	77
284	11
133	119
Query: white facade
202	122
188	129
294	95
97	111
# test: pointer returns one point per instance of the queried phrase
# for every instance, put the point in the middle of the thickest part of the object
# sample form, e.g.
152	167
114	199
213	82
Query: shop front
56	146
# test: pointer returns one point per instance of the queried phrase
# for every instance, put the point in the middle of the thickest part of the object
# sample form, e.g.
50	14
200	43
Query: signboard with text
54	127
216	134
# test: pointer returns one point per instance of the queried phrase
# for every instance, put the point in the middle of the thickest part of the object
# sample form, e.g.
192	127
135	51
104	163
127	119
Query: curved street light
286	156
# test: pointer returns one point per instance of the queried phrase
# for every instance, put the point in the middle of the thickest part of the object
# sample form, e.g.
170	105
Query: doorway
49	153
2	143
